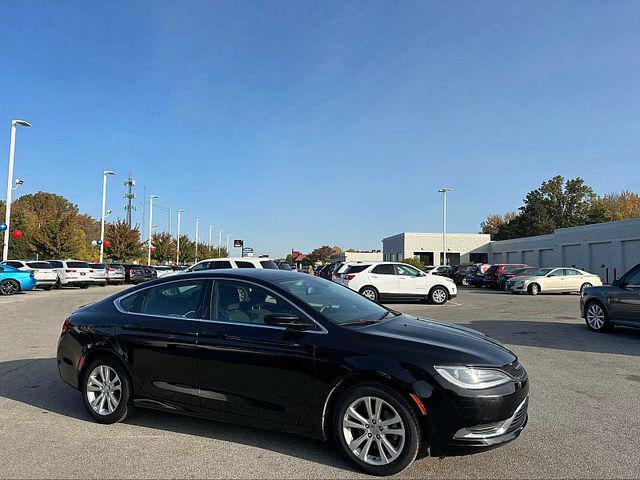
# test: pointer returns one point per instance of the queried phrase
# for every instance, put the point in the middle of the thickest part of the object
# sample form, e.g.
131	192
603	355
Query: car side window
240	302
175	299
407	270
571	271
384	269
555	273
241	264
14	264
201	266
632	279
220	264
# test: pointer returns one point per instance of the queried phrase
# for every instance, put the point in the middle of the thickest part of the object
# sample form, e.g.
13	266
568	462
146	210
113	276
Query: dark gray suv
615	304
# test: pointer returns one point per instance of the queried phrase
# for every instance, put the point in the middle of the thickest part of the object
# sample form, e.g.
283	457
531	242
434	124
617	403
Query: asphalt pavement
584	405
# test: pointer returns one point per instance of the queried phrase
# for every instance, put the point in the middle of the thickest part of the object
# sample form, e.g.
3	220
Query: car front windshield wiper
363	321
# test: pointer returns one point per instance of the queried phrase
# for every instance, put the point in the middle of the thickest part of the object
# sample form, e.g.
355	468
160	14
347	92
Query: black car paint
289	380
621	300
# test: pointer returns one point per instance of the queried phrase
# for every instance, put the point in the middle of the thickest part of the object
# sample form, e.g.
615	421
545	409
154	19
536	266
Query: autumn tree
616	206
124	241
323	254
495	221
164	247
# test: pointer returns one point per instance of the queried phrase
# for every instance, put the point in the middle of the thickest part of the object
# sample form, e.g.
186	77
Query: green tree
187	250
415	262
495	221
164	247
616	206
125	242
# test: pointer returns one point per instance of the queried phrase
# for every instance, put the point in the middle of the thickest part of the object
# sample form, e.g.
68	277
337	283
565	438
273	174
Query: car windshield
270	264
337	303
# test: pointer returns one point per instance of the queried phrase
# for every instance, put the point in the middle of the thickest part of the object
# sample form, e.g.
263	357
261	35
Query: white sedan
553	280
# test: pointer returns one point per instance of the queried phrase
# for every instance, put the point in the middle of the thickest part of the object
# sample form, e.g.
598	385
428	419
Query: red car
494	271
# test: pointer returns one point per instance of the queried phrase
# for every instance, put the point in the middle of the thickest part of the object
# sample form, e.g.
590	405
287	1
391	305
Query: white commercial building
461	247
373	256
607	249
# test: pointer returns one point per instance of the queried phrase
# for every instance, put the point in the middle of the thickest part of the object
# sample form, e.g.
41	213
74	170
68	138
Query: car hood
452	343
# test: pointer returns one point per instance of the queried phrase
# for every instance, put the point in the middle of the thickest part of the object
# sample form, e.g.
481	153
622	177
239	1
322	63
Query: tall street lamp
444	191
105	174
7	216
198	220
210	230
228	235
219	242
151	197
180	212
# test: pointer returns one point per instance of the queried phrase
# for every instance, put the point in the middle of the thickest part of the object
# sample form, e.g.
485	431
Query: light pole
105	174
7	216
228	234
219	242
198	220
180	211
151	197
210	229
444	191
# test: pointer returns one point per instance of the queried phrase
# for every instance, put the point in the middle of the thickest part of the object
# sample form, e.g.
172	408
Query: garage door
600	259
547	258
529	257
513	257
630	254
498	257
571	257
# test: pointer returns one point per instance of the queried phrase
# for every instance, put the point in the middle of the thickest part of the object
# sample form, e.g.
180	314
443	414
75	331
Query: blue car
13	280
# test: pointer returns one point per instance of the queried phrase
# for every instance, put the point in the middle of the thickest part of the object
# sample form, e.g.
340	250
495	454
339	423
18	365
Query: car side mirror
288	321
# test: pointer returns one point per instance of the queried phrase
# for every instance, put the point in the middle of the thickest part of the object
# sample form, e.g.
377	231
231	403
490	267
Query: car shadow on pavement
36	382
560	336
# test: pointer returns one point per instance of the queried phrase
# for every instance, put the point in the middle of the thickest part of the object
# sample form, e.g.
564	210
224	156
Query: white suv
73	273
397	281
43	272
231	262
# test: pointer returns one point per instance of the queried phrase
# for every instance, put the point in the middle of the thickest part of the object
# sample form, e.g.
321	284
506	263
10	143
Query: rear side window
13	264
270	264
219	265
55	264
244	264
357	268
39	264
175	299
492	268
384	269
78	265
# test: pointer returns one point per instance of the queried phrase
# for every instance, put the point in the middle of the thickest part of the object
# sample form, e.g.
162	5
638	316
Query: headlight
473	378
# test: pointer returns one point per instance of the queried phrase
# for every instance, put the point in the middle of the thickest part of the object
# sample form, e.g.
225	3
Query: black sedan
299	354
609	305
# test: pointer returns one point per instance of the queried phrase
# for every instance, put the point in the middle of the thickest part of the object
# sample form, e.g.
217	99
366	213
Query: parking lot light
180	212
444	224
151	197
103	214
198	220
7	217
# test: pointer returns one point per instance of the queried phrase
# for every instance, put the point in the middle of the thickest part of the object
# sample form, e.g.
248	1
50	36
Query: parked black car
511	272
459	273
133	273
283	266
609	305
299	354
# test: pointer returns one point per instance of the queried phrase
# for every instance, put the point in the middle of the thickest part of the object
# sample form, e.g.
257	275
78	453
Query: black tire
595	308
9	287
58	284
533	289
585	285
46	288
370	292
410	421
84	286
438	295
125	404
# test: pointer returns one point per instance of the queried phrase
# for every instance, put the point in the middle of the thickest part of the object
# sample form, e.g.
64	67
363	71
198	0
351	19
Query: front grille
515	370
519	418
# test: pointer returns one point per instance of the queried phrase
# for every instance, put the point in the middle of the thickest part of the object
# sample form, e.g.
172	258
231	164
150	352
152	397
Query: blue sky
297	124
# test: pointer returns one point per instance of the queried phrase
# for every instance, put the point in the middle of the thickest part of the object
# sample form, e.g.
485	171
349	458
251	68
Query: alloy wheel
595	316
8	288
104	390
373	431
439	296
370	294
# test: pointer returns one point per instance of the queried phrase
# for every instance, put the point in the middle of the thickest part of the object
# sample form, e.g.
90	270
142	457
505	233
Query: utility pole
198	220
129	207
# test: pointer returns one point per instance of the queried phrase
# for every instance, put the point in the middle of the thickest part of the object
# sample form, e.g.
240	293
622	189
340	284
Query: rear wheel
534	289
84	285
585	285
438	296
376	429
597	318
370	293
9	287
106	391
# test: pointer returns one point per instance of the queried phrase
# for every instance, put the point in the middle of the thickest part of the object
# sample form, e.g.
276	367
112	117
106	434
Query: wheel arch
102	351
439	285
358	378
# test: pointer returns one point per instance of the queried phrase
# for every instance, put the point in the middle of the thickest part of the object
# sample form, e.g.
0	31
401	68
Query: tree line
560	203
53	227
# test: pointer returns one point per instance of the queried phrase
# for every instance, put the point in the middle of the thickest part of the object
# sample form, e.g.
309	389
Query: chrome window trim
116	302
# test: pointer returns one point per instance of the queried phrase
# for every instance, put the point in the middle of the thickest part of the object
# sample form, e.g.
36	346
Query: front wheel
9	287
46	288
585	285
597	318
438	296
376	429
106	391
534	289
